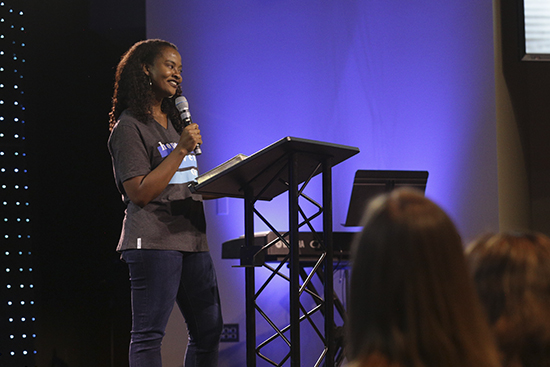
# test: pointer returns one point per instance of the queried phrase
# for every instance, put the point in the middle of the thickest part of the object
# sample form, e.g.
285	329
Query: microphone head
182	104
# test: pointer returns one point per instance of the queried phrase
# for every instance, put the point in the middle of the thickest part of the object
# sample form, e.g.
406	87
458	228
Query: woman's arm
142	189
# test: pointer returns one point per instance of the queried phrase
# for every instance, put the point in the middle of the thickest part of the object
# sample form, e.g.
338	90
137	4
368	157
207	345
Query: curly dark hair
132	88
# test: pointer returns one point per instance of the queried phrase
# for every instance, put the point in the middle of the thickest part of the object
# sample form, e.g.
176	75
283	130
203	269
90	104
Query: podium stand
278	168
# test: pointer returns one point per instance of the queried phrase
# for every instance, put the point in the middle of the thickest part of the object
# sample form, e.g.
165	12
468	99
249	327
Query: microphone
183	107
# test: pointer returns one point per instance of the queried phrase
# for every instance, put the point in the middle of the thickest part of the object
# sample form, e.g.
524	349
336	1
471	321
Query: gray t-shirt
175	219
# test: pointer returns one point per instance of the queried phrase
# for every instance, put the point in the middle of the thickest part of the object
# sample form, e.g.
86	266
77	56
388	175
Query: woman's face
165	73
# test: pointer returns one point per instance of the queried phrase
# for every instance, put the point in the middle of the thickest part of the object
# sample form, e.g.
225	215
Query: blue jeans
160	278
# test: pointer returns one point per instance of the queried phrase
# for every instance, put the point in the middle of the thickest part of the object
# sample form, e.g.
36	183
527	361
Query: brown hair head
411	298
512	275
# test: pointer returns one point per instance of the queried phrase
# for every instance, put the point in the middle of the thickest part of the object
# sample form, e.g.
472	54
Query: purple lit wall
411	84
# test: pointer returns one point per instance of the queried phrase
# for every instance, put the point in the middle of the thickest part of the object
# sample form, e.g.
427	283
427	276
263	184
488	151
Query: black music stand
278	168
370	183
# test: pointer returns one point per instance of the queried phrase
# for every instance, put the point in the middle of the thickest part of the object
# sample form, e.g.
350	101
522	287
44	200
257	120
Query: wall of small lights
17	308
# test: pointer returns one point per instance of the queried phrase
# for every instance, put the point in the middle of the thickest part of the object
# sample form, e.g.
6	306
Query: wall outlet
230	333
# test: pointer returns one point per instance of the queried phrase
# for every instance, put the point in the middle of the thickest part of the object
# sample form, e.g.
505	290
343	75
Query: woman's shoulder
127	127
128	120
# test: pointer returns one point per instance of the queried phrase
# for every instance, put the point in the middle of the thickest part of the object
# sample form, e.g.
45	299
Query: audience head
512	275
411	299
